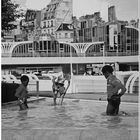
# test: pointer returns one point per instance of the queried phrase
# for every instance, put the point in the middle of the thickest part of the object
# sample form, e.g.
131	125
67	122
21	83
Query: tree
9	14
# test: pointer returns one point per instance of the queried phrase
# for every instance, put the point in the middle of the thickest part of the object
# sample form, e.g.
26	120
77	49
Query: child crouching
60	87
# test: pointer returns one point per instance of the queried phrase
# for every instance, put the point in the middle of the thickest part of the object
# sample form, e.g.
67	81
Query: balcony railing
120	53
56	54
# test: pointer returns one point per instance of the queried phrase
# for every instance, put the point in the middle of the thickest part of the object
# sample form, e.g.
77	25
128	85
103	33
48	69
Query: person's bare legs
54	97
62	98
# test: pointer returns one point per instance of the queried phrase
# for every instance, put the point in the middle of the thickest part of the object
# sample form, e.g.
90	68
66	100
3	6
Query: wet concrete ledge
133	98
29	100
70	134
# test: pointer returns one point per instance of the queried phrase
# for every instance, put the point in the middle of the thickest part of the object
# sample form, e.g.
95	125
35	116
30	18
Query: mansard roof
65	27
31	14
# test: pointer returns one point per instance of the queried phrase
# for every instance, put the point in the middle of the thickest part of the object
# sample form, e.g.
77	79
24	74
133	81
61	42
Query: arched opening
44	49
94	50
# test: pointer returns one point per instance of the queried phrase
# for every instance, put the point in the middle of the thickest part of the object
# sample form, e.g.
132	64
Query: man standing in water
115	89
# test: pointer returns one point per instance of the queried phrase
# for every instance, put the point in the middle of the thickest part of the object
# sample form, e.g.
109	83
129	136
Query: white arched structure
130	82
81	48
8	47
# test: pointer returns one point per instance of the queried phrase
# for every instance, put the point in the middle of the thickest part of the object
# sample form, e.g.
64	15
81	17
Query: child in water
60	86
22	93
115	89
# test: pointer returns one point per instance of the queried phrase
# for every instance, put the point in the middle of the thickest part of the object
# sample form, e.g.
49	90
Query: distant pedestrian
89	72
115	89
22	93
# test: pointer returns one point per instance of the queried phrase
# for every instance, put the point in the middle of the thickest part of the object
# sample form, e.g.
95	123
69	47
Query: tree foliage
9	14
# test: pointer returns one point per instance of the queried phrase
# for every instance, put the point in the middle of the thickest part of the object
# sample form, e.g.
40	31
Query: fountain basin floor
76	119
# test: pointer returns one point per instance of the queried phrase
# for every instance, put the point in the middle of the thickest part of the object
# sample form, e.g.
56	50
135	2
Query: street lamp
71	60
103	54
71	70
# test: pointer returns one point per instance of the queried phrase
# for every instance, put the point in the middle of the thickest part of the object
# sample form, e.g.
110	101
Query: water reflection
22	115
122	120
62	117
113	122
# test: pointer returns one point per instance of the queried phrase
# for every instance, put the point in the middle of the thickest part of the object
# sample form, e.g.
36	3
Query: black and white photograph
70	69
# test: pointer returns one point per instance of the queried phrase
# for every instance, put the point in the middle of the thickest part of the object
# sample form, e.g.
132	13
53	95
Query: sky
125	9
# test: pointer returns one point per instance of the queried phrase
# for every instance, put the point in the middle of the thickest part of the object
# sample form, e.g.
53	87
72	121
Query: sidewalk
134	98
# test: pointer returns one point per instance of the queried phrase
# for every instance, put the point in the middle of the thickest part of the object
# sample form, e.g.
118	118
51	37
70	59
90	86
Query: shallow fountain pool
73	114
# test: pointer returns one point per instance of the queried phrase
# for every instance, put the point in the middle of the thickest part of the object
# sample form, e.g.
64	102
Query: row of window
30	16
59	35
48	24
50	11
49	31
51	7
64	35
91	32
87	24
49	15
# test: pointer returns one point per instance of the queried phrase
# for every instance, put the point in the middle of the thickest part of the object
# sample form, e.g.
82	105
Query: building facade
90	28
32	22
56	38
56	15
